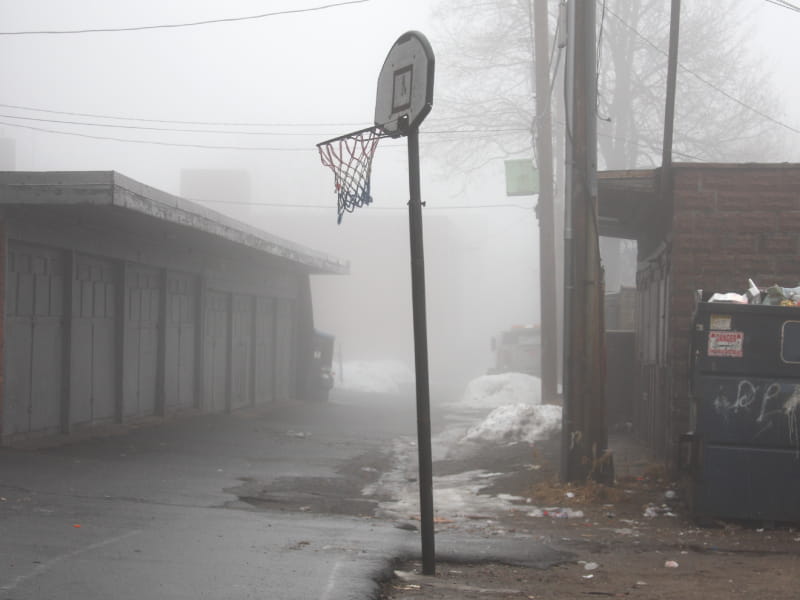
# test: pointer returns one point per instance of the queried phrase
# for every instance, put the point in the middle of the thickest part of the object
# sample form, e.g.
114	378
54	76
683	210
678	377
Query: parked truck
322	369
518	350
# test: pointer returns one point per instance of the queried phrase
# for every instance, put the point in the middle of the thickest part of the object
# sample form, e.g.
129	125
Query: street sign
522	179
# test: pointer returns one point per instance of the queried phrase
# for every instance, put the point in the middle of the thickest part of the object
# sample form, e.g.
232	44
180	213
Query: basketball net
350	158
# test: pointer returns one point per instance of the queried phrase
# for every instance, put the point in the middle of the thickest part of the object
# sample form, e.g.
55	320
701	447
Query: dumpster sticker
720	322
726	343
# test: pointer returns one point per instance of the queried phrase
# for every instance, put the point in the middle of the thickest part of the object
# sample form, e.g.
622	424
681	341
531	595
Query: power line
159	143
179	25
703	79
638	143
371	208
598	60
252	148
175	122
216	146
784	4
294	149
220	131
153	128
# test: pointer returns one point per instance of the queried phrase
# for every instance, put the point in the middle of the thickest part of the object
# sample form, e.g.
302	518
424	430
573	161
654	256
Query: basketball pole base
421	356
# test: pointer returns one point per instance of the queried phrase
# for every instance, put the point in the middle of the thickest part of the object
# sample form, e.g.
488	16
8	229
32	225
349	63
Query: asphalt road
256	504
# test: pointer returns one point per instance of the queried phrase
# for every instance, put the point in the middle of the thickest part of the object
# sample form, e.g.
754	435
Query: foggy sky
318	69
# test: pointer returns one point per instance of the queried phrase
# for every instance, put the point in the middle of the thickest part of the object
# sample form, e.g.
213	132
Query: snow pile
514	423
494	410
491	391
380	376
515	410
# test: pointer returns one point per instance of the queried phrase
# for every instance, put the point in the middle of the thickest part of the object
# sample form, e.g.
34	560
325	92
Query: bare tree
723	91
485	102
726	109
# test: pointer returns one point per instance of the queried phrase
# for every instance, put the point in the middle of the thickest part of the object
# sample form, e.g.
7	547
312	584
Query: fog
290	81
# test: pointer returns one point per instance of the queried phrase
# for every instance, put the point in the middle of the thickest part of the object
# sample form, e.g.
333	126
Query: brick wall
731	223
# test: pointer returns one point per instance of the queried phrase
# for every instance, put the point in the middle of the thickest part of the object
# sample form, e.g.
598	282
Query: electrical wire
180	25
158	142
221	131
598	60
255	148
230	147
704	80
784	4
554	65
481	131
173	121
371	208
153	128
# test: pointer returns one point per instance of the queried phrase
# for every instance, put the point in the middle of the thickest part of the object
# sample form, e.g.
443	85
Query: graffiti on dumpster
793	414
766	403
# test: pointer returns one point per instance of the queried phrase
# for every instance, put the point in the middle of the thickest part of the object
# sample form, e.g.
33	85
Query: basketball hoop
350	158
404	99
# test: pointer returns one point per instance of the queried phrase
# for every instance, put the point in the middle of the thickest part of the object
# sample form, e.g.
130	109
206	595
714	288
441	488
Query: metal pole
544	155
665	200
421	356
672	76
569	286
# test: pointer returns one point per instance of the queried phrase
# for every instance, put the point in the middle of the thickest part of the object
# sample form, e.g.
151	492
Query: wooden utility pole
584	435
545	212
665	199
672	78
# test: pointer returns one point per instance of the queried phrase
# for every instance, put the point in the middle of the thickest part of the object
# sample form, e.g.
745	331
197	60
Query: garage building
121	302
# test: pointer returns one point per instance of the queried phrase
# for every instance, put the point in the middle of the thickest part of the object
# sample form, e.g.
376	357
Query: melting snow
556	512
382	377
493	410
491	391
517	423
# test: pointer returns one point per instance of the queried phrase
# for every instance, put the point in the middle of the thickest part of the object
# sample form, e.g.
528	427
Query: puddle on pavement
339	495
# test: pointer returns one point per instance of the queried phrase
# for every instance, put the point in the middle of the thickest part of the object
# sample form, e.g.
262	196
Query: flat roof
109	188
626	198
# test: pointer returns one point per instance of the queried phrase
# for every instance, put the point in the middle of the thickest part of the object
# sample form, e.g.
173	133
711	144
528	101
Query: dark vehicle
743	452
518	350
322	371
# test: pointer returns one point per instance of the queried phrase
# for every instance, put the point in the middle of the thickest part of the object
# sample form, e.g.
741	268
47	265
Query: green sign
522	179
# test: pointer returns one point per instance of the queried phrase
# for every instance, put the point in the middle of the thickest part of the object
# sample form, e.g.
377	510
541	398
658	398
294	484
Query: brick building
712	228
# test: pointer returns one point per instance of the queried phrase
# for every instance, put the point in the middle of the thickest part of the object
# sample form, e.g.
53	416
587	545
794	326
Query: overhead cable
372	208
784	4
180	25
158	142
174	121
704	80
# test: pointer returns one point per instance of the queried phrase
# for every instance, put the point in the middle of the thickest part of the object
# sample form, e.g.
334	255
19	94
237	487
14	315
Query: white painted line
41	568
332	579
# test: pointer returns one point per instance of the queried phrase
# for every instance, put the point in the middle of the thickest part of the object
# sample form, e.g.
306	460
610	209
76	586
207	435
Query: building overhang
112	192
625	198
